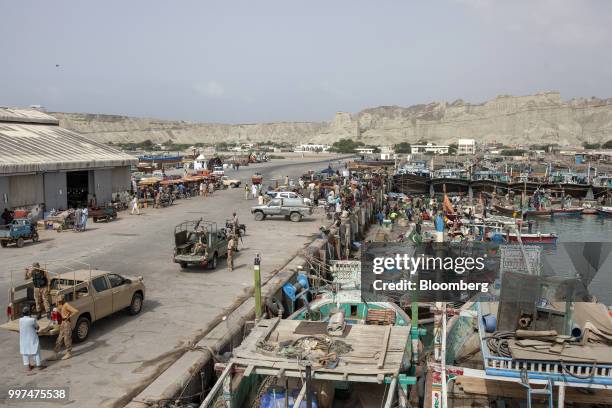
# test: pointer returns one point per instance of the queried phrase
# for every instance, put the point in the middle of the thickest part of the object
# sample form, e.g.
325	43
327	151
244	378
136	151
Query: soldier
40	278
230	253
67	313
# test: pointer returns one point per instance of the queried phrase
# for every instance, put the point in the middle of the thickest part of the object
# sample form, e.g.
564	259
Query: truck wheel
233	185
81	330
259	216
95	219
183	265
4	244
296	217
213	263
136	305
19	242
60	228
35	237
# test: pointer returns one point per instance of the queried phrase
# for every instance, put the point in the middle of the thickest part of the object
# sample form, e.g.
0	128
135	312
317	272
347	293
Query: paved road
124	352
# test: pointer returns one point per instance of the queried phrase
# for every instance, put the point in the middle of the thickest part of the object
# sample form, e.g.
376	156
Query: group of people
29	344
254	191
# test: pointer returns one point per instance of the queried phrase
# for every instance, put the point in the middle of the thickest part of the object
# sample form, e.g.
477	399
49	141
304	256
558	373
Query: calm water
584	229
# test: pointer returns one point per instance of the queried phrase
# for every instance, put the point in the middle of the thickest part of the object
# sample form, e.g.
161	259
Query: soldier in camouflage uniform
67	313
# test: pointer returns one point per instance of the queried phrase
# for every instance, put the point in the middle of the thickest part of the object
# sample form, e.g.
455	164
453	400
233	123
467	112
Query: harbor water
577	230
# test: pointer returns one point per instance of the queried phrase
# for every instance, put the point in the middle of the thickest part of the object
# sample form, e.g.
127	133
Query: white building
466	146
429	148
365	150
311	147
387	153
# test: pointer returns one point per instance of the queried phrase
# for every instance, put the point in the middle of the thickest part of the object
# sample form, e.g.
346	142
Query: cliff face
540	118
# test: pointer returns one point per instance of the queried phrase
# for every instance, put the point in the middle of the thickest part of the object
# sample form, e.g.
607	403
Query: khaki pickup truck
96	294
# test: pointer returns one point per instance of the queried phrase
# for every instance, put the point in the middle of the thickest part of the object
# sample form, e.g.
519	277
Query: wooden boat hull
605	212
535	238
567	211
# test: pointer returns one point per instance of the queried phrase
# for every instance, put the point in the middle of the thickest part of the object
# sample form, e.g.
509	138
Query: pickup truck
229	182
199	242
94	293
291	208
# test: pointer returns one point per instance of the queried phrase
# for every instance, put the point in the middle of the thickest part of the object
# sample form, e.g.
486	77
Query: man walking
230	253
254	191
67	313
246	191
134	204
40	279
29	346
84	215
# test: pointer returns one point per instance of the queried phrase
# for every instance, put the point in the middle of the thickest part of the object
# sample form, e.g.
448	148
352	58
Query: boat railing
576	372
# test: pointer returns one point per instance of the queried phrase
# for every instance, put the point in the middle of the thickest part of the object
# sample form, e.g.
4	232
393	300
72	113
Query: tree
587	145
512	152
607	145
403	147
346	146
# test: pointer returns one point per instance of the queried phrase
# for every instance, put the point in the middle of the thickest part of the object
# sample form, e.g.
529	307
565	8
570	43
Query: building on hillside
387	153
365	150
429	148
466	146
311	147
44	166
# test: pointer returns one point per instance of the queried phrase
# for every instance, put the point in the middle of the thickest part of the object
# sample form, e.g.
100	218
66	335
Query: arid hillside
540	118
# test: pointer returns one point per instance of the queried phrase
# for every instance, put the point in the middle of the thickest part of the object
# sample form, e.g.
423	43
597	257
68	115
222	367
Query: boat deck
376	352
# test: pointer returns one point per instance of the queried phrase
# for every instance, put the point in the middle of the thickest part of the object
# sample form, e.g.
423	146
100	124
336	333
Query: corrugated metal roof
27	148
26	116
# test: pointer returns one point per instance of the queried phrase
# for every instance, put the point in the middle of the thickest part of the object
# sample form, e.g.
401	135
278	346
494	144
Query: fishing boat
515	212
572	211
320	356
508	211
534	238
605	211
537	213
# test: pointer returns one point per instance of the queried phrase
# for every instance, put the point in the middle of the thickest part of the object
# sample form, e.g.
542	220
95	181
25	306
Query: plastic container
490	322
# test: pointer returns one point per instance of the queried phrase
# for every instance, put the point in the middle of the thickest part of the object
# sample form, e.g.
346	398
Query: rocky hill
539	118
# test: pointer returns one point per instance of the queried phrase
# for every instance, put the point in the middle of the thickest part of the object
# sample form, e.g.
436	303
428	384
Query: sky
281	60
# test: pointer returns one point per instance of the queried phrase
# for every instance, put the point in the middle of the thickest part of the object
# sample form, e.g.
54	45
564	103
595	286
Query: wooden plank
218	384
249	370
492	388
391	394
300	396
383	353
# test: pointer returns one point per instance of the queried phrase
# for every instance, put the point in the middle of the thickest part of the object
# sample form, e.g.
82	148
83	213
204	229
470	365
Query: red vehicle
257	178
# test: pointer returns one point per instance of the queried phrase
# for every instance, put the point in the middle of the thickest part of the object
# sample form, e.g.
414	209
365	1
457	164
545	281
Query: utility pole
257	273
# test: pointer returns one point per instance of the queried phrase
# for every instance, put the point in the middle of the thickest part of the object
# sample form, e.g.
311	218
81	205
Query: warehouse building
44	166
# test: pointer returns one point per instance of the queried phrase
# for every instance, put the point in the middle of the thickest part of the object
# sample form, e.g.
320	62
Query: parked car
19	230
229	182
94	293
288	194
291	208
199	242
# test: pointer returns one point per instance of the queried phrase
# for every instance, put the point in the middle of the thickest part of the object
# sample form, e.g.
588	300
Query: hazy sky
285	60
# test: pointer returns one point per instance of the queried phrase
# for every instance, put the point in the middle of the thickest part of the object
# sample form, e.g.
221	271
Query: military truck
94	293
291	208
199	242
